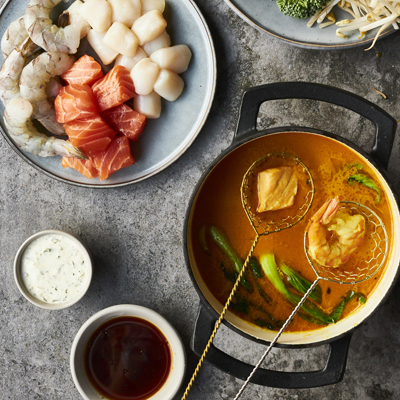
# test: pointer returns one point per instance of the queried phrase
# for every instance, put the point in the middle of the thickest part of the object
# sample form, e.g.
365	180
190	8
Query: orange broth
219	203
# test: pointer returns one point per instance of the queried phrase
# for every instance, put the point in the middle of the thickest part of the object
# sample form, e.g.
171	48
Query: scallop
144	74
148	105
97	13
106	54
161	41
121	39
130	62
126	11
150	5
148	26
175	58
169	85
76	20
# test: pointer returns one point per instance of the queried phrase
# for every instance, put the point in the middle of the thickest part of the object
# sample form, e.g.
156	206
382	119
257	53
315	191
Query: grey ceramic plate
264	15
165	139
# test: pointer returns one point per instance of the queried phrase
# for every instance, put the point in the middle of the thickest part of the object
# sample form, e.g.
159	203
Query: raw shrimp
18	121
17	116
32	83
13	36
334	234
11	71
47	35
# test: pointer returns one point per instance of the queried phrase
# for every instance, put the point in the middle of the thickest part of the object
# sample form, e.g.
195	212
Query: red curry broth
219	203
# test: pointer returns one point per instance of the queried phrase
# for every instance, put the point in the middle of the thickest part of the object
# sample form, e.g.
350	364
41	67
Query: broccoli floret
300	8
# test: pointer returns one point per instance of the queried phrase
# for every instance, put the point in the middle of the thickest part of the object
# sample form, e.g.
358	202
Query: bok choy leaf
223	244
308	311
301	284
366	181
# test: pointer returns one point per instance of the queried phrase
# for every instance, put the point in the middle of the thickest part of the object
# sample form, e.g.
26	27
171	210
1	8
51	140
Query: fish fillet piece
85	167
75	102
126	121
84	71
277	188
114	88
90	134
117	155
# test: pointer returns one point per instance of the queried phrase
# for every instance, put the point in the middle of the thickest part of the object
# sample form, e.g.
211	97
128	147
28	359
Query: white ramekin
178	364
24	290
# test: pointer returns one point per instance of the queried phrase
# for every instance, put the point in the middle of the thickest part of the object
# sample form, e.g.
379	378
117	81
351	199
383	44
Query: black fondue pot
337	335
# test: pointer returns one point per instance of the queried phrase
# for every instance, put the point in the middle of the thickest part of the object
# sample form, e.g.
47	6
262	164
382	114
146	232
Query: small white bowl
24	290
77	363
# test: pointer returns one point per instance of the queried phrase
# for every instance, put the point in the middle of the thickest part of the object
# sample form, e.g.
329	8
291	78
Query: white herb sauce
53	268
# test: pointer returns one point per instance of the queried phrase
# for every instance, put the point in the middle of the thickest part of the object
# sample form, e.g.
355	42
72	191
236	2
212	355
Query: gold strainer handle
221	317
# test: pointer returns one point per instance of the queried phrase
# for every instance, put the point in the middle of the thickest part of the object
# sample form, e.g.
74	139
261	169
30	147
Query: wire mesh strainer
275	221
267	222
359	268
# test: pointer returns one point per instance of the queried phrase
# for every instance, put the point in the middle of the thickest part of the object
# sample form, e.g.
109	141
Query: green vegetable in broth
301	284
255	267
264	295
219	238
228	275
356	165
240	304
203	239
308	311
366	181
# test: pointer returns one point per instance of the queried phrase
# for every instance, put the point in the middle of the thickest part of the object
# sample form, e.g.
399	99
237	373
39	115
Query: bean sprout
366	15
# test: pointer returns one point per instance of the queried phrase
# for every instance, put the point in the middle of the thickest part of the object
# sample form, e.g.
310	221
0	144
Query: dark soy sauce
127	358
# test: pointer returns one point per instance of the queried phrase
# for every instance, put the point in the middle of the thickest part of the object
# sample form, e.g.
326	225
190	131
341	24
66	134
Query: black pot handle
333	371
253	98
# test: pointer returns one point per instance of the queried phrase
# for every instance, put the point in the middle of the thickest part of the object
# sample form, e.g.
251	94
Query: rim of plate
210	94
306	45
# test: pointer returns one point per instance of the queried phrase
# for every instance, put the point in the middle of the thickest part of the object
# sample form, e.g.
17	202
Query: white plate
265	16
165	139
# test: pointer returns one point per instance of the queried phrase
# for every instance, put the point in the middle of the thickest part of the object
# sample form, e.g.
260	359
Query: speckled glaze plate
265	16
166	138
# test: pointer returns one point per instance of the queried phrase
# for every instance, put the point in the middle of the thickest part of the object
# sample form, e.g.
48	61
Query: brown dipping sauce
127	358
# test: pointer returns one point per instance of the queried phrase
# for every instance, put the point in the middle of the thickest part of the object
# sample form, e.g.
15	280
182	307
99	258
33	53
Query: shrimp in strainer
33	81
334	235
47	35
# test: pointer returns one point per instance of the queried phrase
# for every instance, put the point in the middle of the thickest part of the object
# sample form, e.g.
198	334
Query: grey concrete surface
135	233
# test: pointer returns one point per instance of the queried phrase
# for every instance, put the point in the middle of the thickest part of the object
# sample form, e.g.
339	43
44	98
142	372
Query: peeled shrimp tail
14	36
33	81
334	234
17	118
47	35
11	71
325	214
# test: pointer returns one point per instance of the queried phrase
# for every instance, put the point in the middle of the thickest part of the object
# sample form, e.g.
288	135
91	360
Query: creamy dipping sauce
54	268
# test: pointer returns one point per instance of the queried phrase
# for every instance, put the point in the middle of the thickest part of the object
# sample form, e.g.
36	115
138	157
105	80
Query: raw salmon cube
125	120
85	167
117	155
84	71
114	88
91	134
75	102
